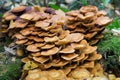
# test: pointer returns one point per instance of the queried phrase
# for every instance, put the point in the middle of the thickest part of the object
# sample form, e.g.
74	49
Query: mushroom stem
78	62
61	67
51	57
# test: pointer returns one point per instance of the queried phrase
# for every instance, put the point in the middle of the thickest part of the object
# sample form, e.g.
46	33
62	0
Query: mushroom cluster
89	21
52	44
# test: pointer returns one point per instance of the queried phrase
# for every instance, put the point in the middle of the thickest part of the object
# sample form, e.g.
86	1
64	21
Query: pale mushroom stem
78	62
61	67
51	58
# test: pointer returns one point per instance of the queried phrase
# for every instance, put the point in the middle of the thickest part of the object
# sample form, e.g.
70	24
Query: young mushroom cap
18	9
36	54
27	16
103	21
50	52
89	49
39	44
69	56
88	65
76	37
47	46
41	59
66	70
101	13
67	49
61	63
21	41
63	34
25	59
32	48
90	35
18	36
80	57
94	56
86	9
51	39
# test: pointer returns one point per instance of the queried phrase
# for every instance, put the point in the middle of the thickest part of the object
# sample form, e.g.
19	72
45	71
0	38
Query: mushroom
36	39
21	41
47	46
27	16
63	34
36	54
18	9
39	45
90	35
41	59
68	49
76	37
88	65
50	52
101	13
89	49
69	56
18	36
86	9
79	58
66	70
103	21
32	48
94	56
51	39
25	59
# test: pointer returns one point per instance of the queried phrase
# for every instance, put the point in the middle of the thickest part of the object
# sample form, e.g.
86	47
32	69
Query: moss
9	70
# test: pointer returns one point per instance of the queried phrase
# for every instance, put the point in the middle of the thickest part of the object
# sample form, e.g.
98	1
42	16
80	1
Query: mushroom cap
103	21
18	36
61	63
18	24
94	56
25	59
39	44
50	52
101	13
67	49
93	42
88	65
18	9
90	35
32	48
36	38
89	49
80	57
21	41
9	16
63	34
51	39
66	70
29	42
41	59
76	37
27	16
26	31
47	46
69	56
86	9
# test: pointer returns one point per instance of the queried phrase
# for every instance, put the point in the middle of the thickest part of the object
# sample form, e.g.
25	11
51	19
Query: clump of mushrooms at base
58	44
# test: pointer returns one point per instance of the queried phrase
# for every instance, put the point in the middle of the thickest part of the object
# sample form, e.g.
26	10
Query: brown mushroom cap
41	59
88	65
36	39
18	36
101	13
49	52
21	41
89	49
51	39
47	46
68	49
24	60
66	70
90	35
80	57
32	48
94	56
69	56
86	9
39	44
9	16
63	34
61	63
27	16
76	37
18	9
42	24
26	31
102	21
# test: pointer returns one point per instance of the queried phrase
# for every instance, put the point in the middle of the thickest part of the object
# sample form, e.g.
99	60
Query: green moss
9	70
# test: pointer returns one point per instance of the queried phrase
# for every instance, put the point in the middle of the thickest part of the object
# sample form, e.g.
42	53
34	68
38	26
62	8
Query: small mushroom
86	9
103	21
50	52
39	45
88	36
32	48
94	56
66	70
36	39
42	24
18	9
21	41
88	65
26	31
101	13
27	16
61	63
76	37
36	54
47	46
93	42
69	56
51	39
89	49
68	49
18	36
25	59
63	34
41	59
